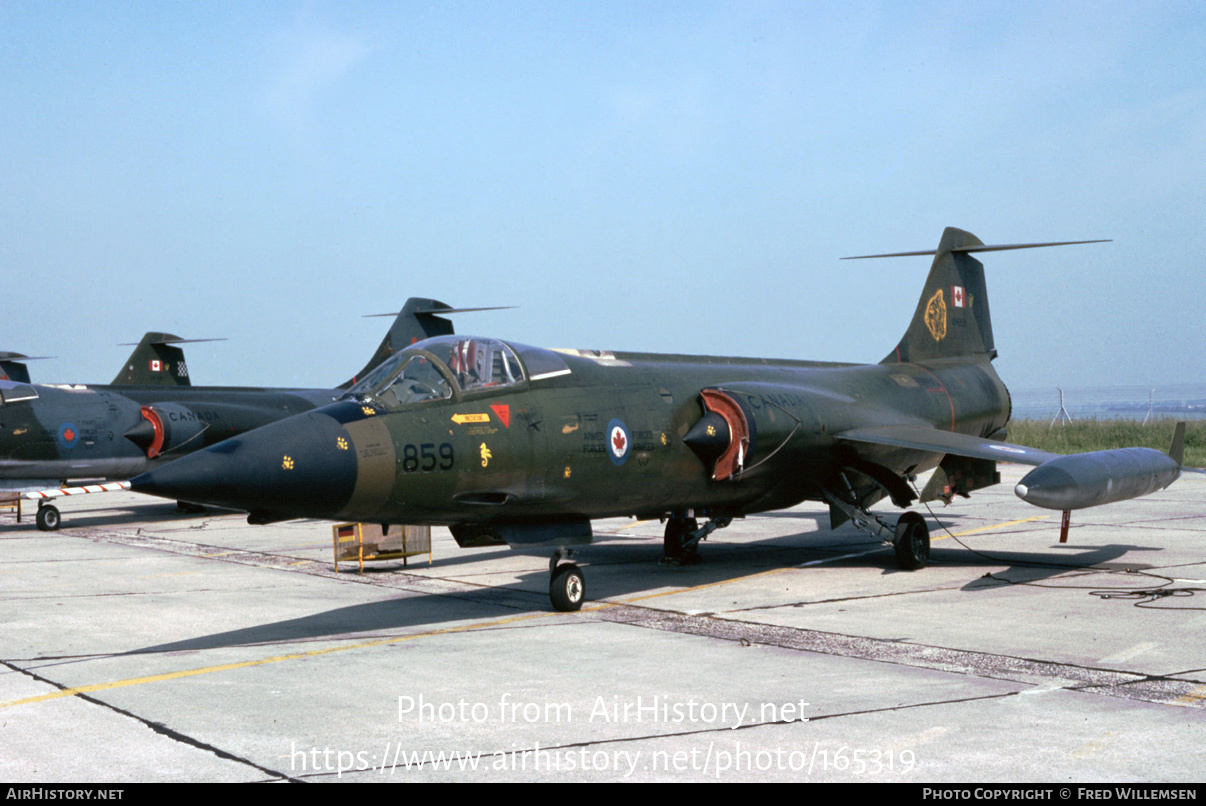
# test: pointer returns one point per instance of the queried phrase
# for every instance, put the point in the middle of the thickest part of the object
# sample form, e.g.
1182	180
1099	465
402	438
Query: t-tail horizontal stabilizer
952	317
968	248
12	366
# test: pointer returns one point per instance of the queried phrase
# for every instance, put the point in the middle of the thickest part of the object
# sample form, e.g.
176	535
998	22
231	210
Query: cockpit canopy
433	368
478	363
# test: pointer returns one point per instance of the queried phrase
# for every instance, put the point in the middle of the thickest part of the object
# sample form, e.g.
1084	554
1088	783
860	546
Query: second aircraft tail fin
156	361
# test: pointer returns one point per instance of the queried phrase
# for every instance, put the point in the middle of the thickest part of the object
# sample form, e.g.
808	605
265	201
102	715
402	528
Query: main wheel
48	518
567	588
912	542
677	530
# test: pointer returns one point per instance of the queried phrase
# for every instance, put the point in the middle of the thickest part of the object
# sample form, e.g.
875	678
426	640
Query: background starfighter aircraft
505	443
151	413
12	366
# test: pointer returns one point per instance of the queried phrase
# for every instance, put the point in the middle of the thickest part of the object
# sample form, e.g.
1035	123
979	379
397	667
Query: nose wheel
567	585
48	518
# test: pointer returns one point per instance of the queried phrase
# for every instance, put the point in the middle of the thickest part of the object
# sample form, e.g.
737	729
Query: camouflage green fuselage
547	449
78	432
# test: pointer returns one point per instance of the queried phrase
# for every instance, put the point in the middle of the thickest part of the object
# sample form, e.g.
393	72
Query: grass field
1099	435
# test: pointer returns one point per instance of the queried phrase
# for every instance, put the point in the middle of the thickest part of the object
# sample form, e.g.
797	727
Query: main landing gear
909	536
48	518
567	585
911	541
677	545
680	545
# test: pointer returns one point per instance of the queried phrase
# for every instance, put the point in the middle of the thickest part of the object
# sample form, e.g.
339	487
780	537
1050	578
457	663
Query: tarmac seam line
160	728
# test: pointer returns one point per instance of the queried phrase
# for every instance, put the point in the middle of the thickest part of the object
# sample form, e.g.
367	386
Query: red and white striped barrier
111	487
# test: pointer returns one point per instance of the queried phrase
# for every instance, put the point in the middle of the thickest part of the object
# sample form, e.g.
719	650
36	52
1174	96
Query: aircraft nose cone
303	466
710	437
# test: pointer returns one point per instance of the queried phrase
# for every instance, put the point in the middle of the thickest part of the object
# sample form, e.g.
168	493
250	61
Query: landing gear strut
567	585
910	536
681	542
675	545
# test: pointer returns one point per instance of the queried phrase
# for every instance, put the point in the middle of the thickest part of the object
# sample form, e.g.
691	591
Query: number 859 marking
424	458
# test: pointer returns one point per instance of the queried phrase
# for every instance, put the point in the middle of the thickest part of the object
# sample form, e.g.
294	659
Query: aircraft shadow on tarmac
626	567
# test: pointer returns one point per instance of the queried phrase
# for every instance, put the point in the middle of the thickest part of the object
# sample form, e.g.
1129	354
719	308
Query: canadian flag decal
957	296
156	365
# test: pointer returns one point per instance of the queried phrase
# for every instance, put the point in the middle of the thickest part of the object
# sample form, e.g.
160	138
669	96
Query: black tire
912	542
48	518
677	530
567	588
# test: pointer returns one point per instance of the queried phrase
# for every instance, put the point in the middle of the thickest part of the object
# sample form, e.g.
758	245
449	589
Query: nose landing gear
48	518
567	585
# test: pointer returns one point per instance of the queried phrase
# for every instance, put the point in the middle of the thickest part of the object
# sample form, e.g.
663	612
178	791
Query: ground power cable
1141	597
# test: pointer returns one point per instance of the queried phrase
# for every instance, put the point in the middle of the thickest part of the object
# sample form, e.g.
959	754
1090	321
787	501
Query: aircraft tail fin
416	321
12	366
1176	451
952	318
156	361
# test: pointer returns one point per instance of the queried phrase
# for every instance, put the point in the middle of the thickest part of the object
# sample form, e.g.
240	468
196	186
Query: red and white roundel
619	443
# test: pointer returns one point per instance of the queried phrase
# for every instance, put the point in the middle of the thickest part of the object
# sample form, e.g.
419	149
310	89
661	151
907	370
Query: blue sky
677	177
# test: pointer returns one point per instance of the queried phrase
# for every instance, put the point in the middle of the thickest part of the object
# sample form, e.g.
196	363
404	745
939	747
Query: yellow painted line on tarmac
990	528
633	525
314	653
1094	747
703	586
1191	697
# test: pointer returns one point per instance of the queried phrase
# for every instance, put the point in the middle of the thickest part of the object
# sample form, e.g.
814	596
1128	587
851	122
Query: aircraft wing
924	438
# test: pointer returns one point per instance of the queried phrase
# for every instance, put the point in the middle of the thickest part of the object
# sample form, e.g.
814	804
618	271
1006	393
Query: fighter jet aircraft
150	414
506	443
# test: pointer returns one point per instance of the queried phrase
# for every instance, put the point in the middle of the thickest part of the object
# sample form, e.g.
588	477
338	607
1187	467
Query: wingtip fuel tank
1098	477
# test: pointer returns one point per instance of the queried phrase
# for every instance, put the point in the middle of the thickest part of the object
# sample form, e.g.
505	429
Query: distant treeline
1100	435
